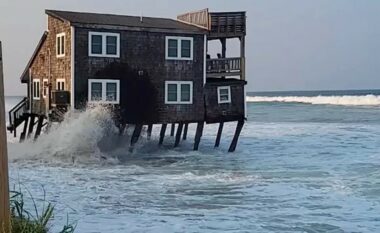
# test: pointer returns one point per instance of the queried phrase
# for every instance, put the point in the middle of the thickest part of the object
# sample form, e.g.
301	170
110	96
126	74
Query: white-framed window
45	87
60	84
178	92
104	91
224	95
60	45
179	48
103	44
36	89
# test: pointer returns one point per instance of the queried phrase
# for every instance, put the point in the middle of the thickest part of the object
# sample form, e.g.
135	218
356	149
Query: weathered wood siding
233	111
60	68
142	97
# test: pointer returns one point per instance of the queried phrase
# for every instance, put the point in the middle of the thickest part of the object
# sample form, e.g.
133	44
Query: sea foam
365	100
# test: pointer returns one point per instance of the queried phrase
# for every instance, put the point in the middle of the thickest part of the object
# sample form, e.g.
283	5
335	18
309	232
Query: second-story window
104	44
60	45
179	48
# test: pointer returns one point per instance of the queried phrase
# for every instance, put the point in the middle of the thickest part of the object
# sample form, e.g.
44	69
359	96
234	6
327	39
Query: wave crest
365	100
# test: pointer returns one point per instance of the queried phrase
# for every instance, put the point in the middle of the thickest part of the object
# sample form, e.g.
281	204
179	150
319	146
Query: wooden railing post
4	180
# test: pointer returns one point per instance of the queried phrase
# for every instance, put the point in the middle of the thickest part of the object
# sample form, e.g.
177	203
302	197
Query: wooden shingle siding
233	111
142	97
60	68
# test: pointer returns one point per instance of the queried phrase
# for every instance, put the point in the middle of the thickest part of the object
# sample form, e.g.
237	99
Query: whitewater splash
77	138
365	100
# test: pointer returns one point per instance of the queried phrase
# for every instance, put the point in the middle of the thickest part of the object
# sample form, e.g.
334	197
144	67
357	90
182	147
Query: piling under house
150	70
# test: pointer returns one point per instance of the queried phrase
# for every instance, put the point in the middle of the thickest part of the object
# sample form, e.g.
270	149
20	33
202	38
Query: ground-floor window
104	91
60	84
224	94
45	88
36	89
178	92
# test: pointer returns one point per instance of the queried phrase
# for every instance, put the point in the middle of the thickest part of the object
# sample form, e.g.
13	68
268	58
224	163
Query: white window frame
58	46
43	88
104	91
179	48
60	80
229	95
36	97
178	83
104	44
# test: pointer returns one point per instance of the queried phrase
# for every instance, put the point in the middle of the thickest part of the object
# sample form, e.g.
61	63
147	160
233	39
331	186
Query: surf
345	100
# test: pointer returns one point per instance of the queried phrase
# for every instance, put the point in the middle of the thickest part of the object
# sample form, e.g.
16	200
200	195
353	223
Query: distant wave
365	100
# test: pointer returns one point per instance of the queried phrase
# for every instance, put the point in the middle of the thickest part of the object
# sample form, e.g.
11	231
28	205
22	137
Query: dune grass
35	221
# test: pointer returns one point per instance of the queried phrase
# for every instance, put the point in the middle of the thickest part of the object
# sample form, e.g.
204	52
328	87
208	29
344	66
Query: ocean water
305	162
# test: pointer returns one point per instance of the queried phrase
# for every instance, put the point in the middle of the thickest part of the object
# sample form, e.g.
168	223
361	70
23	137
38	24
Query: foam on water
295	175
365	100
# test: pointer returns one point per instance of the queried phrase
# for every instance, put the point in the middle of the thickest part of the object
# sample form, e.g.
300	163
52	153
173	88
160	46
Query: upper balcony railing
224	67
219	24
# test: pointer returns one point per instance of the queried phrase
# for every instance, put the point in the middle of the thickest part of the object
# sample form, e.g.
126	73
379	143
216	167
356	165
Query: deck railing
227	24
224	66
16	114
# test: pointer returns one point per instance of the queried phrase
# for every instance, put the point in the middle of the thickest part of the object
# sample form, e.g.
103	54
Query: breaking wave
77	139
365	100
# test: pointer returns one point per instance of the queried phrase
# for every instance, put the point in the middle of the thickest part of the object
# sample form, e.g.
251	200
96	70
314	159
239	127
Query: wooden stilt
178	135
23	134
239	126
31	125
185	131
198	135
135	136
219	135
121	129
162	134
172	130
149	132
39	126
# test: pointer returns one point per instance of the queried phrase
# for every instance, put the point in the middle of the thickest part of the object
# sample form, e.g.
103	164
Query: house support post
178	135
23	134
135	136
149	132
172	130
121	128
162	134
219	135
198	134
39	126
236	136
4	180
185	131
31	125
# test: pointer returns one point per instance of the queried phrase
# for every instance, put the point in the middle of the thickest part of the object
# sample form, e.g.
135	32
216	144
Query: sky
291	45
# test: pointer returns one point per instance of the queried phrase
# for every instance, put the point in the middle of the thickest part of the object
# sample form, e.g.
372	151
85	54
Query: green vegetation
23	221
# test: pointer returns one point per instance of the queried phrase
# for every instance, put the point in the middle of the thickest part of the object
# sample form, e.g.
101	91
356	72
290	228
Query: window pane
224	94
58	45
111	45
223	91
185	48
172	92
62	45
111	91
96	44
172	48
185	92
96	91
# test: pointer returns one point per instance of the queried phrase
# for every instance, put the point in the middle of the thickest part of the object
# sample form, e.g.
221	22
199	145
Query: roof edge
25	73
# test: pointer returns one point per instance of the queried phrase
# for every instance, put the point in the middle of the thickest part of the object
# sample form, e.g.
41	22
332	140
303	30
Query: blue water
298	167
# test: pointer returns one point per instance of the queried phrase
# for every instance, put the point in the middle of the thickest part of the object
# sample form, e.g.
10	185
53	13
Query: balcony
219	24
222	67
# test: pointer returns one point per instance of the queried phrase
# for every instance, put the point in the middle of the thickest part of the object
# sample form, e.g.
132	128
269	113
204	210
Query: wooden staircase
17	115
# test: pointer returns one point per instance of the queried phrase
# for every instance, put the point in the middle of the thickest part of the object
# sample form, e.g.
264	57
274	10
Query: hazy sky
291	45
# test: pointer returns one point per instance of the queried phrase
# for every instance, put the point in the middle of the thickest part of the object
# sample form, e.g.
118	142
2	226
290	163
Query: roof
76	18
25	74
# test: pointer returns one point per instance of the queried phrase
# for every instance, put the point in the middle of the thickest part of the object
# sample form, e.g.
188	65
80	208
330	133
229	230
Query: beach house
149	70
